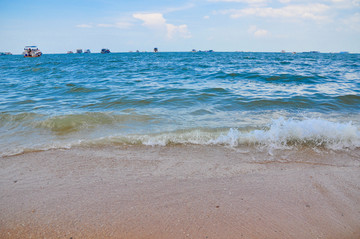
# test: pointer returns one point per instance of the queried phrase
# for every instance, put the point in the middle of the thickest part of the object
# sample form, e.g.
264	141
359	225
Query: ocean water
259	100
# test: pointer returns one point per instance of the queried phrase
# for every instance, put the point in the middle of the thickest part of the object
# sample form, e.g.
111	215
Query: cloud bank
158	22
311	11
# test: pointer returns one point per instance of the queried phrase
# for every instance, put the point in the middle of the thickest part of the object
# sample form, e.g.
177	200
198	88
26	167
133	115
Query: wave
76	122
280	134
65	124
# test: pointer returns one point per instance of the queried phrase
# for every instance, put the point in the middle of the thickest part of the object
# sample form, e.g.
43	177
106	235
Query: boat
79	51
32	51
105	50
312	52
155	49
87	51
70	52
5	53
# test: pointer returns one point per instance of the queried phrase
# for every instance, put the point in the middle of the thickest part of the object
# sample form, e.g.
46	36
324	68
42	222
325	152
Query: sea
262	101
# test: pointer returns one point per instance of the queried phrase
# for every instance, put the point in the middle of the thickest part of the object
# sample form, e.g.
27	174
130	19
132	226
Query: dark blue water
179	98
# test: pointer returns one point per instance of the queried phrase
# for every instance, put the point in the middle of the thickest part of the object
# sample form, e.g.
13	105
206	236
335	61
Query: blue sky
174	25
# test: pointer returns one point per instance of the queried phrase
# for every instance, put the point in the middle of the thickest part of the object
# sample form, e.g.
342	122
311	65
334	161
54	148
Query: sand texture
180	192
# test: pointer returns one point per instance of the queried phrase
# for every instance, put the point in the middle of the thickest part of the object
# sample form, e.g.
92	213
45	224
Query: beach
222	145
199	119
180	191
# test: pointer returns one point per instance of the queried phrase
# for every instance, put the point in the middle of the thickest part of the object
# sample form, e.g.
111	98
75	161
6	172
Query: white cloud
310	11
351	23
157	21
333	3
152	20
174	31
181	8
104	25
352	2
84	26
345	3
258	32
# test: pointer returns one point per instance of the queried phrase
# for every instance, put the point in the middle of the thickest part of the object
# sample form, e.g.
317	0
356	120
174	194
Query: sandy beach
180	192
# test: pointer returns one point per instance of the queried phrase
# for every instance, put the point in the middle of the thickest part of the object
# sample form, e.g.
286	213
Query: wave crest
283	133
65	124
280	134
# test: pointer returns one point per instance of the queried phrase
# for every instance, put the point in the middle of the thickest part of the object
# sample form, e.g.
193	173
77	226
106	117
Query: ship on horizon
104	51
32	51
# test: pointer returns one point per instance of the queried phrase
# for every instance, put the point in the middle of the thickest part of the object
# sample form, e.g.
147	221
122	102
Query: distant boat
105	50
193	50
70	52
5	53
311	52
32	51
79	51
87	51
205	51
155	49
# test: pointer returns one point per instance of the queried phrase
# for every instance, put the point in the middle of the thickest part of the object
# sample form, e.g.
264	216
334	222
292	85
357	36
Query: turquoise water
231	99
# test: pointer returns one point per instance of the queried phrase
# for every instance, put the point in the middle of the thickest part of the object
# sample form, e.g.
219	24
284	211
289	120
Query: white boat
32	51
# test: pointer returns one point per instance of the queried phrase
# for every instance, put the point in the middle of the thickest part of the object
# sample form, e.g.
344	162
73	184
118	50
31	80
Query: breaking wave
280	134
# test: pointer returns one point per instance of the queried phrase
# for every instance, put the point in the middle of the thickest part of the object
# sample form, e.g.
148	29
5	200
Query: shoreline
179	192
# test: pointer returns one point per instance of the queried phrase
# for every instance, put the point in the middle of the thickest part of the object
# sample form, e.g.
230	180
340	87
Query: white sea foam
283	133
280	134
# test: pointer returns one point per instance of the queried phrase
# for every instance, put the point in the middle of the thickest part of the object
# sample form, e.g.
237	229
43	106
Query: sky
180	25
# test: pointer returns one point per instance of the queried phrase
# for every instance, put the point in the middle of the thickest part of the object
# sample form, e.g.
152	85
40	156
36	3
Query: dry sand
180	192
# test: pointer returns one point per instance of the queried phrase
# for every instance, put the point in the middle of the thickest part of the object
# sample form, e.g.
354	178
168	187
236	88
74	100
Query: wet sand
180	192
